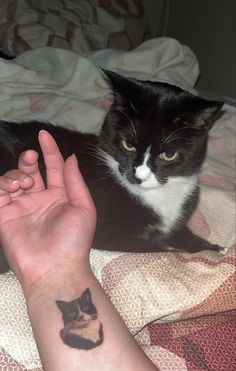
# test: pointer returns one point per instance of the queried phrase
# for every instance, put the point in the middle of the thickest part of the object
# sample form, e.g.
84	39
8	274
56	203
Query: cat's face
154	131
81	310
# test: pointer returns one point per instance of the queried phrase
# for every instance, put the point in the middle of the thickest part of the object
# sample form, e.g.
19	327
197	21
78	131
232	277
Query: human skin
46	233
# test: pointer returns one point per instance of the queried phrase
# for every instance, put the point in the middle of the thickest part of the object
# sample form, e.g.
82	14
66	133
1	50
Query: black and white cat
82	328
142	170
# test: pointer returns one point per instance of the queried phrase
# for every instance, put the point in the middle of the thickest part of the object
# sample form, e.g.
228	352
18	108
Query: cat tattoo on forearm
82	329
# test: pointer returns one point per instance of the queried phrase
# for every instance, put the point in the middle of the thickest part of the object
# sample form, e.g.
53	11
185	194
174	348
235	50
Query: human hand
43	228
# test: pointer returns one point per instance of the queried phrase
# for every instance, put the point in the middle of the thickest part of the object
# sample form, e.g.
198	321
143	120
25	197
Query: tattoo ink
82	329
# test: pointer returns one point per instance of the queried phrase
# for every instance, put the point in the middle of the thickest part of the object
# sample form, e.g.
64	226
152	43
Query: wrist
64	278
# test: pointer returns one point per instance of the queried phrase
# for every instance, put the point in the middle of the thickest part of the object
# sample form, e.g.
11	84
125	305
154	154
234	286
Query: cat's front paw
223	250
219	249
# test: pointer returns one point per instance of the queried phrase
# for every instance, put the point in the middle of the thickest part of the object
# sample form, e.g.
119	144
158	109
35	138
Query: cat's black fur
144	113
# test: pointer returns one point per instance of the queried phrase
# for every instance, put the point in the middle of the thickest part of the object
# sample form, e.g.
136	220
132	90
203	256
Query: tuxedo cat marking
142	169
164	202
82	329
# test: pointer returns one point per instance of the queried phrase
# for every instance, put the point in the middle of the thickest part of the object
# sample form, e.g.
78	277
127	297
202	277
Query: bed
179	307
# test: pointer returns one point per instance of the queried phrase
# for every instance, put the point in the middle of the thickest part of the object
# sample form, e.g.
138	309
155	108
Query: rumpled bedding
180	307
79	25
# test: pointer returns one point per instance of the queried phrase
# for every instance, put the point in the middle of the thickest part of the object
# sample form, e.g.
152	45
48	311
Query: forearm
108	345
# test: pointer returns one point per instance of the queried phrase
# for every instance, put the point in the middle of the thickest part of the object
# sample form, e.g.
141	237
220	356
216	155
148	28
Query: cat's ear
206	113
124	89
62	305
117	81
86	296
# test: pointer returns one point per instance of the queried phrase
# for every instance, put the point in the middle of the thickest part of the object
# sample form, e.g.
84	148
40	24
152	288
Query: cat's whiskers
172	133
125	130
99	157
128	118
176	138
98	153
103	157
163	137
100	179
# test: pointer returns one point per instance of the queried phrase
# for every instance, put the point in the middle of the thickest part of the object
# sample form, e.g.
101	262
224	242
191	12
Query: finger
12	184
76	188
14	179
5	198
53	160
8	183
28	165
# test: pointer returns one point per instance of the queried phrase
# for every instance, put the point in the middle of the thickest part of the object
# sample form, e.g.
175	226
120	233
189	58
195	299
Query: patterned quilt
81	25
179	307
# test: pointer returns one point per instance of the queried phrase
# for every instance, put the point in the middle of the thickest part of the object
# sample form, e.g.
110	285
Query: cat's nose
80	318
142	173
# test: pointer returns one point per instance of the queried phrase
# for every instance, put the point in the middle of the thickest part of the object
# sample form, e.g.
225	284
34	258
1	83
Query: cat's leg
144	246
185	240
130	244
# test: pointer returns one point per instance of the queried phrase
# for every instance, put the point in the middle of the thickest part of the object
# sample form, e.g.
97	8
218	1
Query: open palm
42	225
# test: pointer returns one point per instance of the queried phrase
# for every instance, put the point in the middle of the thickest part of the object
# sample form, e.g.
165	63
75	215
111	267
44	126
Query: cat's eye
72	315
128	146
168	155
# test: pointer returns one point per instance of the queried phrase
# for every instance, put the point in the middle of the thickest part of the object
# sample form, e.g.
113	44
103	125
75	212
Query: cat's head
154	131
81	309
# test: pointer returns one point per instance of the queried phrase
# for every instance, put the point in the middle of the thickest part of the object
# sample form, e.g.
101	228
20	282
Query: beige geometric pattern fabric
81	26
149	290
154	295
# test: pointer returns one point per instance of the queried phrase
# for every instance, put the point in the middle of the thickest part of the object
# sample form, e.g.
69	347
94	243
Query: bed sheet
158	293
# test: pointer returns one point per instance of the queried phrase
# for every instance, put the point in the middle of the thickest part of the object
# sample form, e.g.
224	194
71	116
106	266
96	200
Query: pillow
81	25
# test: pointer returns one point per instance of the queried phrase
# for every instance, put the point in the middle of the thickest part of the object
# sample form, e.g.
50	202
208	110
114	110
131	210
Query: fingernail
42	132
75	159
26	178
13	181
27	152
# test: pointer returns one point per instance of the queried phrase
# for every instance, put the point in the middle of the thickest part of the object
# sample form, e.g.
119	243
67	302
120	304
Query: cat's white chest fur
166	200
